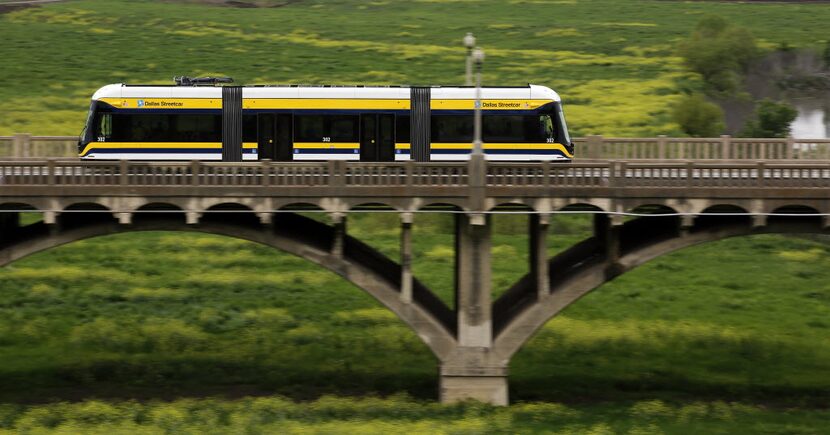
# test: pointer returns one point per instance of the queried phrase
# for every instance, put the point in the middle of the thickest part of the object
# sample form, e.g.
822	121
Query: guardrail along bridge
677	204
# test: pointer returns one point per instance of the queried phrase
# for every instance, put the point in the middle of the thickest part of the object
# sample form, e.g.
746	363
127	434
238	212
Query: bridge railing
587	148
28	146
339	174
722	148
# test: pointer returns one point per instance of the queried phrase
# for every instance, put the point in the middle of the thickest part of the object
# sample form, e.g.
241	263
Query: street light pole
478	58
470	43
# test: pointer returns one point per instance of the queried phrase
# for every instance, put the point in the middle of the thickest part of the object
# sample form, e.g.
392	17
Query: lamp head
469	41
478	56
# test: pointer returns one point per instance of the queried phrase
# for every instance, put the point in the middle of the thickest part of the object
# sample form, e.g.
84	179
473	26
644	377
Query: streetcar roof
532	92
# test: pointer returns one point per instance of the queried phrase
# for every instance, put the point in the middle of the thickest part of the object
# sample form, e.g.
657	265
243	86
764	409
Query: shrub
698	117
720	52
104	333
771	119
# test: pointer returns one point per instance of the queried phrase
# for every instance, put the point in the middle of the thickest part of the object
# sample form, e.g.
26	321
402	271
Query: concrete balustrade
660	148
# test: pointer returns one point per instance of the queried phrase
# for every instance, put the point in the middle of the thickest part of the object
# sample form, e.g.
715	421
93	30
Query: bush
698	117
720	52
771	119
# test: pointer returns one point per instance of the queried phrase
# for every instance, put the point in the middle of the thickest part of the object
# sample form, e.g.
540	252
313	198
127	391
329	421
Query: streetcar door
285	138
377	138
266	136
386	138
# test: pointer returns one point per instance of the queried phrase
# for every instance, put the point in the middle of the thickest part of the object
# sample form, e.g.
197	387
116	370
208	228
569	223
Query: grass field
728	337
613	61
685	337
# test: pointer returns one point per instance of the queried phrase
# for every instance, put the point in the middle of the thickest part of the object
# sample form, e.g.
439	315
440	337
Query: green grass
613	61
728	337
399	414
742	319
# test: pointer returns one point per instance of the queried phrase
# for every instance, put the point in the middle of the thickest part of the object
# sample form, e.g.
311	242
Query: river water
813	121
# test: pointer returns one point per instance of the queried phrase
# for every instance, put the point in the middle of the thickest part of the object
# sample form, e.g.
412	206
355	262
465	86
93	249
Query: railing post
409	167
661	147
195	168
50	165
622	173
726	146
123	174
790	147
546	170
760	169
21	144
594	145
266	172
337	173
690	168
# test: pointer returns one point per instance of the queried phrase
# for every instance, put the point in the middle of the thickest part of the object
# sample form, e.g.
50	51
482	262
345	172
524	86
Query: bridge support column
338	222
406	257
539	266
125	218
686	224
50	217
473	371
607	231
472	293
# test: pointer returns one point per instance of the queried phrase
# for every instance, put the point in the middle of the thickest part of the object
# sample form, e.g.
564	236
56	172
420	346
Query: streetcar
208	119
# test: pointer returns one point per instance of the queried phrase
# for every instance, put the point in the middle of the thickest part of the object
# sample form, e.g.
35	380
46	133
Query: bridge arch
584	267
301	236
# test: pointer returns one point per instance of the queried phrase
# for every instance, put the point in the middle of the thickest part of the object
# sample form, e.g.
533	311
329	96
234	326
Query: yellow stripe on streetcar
158	145
320	103
488	104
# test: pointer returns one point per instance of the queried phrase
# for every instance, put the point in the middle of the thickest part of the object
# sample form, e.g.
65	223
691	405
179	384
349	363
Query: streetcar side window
249	128
103	130
452	128
402	129
164	128
309	128
495	128
343	128
512	129
326	128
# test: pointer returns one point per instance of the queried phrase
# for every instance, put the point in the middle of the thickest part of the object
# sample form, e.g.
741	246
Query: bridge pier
607	231
539	266
406	258
338	222
473	370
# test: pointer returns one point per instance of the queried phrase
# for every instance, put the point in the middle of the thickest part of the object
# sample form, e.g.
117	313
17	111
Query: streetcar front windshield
89	118
553	124
563	126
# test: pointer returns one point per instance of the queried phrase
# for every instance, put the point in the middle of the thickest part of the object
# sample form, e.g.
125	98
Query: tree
720	52
771	119
698	117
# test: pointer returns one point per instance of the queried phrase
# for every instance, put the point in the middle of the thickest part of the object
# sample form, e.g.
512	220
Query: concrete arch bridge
671	206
